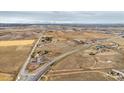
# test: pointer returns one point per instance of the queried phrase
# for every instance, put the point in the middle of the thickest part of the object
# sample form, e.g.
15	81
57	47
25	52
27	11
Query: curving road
25	76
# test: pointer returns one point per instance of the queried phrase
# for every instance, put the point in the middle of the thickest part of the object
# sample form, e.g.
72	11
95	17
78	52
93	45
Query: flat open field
78	35
16	43
13	54
81	75
6	76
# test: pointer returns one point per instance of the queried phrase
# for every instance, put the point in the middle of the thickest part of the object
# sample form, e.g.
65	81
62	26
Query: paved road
23	76
22	70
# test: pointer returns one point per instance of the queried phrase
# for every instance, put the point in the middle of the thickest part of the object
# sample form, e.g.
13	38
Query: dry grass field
82	60
118	40
15	47
79	76
78	35
6	77
13	54
16	43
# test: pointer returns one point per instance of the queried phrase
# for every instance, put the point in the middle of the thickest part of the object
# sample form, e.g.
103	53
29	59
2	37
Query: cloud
61	17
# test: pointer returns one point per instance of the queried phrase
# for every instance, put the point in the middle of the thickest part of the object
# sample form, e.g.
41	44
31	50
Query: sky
79	17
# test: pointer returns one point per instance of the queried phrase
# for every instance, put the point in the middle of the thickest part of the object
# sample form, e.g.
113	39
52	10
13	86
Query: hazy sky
61	17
